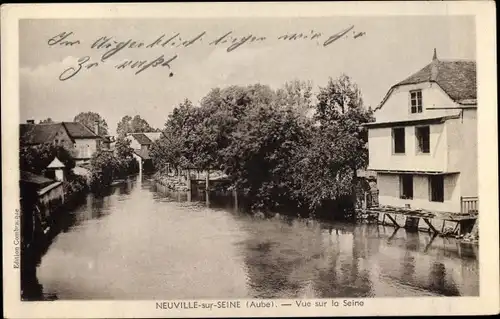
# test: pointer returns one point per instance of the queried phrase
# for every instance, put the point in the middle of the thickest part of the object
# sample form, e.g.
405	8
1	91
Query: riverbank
173	183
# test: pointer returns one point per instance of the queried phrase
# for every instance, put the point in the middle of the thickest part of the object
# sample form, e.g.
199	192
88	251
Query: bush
74	184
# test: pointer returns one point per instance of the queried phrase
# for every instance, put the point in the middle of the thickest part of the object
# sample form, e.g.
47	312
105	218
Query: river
140	242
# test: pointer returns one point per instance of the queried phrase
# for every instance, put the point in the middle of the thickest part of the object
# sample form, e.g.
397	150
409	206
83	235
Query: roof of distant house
456	77
56	163
42	133
153	136
79	130
32	178
146	138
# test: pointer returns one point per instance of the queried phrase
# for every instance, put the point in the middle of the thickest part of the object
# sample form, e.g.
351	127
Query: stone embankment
174	183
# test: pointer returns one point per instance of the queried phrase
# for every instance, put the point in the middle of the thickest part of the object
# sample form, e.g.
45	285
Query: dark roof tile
31	178
38	133
142	138
456	78
78	130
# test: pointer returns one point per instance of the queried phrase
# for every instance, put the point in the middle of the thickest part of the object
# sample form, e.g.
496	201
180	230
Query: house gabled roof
153	136
31	178
457	78
79	130
56	163
32	134
141	138
38	133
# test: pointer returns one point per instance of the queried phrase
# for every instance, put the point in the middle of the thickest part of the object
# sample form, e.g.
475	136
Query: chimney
434	67
96	127
30	121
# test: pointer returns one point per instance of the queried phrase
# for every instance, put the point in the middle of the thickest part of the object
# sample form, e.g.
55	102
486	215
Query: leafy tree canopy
89	119
134	124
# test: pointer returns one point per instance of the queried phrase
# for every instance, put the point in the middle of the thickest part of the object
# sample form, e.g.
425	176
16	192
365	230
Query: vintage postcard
249	159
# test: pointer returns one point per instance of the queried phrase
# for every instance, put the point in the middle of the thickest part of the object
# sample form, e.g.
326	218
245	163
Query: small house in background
77	138
108	142
141	144
56	168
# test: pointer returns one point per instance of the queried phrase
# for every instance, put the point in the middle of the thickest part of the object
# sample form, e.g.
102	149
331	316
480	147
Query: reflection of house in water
426	263
141	144
371	260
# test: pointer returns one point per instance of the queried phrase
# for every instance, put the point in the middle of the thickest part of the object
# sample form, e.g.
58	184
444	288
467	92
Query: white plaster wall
388	185
133	143
397	106
84	148
381	157
469	154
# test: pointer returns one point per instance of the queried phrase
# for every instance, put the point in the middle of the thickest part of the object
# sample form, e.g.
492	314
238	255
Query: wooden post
431	227
365	202
235	196
189	191
207	187
393	220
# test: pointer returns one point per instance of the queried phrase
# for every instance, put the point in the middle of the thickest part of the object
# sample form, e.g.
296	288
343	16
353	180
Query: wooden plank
393	221
431	227
393	234
430	242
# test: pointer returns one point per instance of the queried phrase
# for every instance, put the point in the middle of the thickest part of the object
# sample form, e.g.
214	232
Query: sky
389	50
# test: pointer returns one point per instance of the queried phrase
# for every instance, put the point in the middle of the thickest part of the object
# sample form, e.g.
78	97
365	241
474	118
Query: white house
141	143
423	144
81	141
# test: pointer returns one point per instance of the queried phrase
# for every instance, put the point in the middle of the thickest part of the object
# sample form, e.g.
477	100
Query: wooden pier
439	223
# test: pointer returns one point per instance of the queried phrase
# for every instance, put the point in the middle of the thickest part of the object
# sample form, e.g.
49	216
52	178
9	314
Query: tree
123	149
47	121
104	166
35	159
297	95
169	149
261	154
89	118
327	170
271	151
133	125
124	126
337	98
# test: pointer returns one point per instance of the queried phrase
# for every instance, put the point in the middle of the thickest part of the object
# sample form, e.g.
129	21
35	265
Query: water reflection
141	241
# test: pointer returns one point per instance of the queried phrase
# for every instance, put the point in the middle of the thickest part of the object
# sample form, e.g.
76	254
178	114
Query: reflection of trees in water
268	274
344	277
439	283
279	258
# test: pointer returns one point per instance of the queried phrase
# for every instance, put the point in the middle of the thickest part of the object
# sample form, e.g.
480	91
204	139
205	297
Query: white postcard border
487	303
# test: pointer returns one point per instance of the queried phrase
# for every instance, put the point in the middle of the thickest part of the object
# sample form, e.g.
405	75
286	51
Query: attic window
416	101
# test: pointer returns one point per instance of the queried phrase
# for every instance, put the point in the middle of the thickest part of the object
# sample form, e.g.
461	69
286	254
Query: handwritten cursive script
109	46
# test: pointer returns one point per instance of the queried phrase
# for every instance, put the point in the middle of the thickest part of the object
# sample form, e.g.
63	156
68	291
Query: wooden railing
469	204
